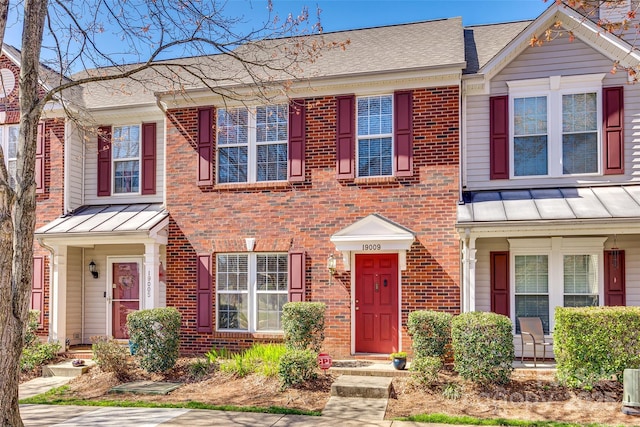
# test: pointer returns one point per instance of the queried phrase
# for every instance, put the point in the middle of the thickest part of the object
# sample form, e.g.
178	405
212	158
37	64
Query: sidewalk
68	416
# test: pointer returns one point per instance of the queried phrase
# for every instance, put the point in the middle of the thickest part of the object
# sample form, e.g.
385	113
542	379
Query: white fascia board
551	228
388	81
91	239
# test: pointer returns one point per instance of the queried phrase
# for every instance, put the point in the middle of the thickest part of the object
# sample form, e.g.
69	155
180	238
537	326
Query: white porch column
58	302
151	281
469	273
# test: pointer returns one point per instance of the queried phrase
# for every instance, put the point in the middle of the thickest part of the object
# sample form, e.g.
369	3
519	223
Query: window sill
375	180
252	185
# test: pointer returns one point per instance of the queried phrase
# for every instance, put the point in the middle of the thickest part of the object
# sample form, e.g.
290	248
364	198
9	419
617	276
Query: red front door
125	297
376	303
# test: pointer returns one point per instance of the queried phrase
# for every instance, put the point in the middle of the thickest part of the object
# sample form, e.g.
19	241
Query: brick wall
304	216
50	203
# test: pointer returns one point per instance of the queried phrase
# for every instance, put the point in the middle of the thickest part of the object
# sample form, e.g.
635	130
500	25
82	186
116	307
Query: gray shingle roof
483	42
406	47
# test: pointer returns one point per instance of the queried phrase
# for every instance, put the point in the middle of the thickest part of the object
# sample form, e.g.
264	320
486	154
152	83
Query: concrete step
361	386
367	368
356	408
66	369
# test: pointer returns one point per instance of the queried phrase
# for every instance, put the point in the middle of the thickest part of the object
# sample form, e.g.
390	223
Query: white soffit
372	230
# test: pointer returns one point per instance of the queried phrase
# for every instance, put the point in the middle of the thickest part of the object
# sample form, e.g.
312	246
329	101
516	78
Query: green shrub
111	356
595	343
156	335
34	352
262	359
303	325
214	355
452	391
430	332
424	370
483	347
297	367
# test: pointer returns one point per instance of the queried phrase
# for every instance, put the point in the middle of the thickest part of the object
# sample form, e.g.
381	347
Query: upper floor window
9	143
251	291
252	144
375	135
126	159
556	126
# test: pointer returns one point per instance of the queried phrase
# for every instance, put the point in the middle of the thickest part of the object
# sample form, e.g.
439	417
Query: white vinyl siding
74	295
91	173
74	166
560	57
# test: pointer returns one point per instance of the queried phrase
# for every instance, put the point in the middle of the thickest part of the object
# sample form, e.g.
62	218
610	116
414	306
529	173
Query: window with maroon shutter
345	141
148	158
104	161
37	288
500	283
204	295
613	130
205	146
499	137
403	133
297	116
297	276
40	178
614	281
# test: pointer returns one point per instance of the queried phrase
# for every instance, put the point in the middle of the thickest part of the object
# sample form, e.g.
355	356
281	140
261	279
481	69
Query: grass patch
57	396
466	420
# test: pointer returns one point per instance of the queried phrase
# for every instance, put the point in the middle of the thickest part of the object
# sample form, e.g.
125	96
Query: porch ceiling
549	204
105	219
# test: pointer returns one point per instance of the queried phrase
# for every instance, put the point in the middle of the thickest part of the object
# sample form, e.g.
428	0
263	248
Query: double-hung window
9	143
555	272
252	144
375	135
125	152
251	290
556	126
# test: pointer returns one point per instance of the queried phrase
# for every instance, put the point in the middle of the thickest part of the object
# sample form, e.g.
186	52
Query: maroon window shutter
500	283
203	296
37	287
40	159
346	138
296	276
613	128
205	146
614	285
148	158
104	161
403	133
297	113
499	137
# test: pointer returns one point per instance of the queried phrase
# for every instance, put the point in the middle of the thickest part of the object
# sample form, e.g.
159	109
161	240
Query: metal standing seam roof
550	204
107	219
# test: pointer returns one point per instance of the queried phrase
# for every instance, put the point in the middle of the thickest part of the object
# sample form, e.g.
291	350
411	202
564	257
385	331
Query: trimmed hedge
303	325
595	343
483	347
155	333
297	367
430	333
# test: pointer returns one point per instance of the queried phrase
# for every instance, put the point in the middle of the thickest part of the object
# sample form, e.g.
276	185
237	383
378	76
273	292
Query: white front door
123	289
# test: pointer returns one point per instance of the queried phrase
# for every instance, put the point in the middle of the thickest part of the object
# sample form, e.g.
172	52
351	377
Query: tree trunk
17	219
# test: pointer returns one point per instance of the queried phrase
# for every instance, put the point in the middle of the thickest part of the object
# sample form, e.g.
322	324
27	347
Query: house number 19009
371	247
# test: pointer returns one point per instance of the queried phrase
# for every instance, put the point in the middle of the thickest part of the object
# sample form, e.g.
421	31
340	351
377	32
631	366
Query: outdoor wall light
331	264
93	269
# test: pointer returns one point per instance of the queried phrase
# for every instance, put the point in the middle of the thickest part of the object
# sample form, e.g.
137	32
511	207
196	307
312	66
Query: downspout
51	301
163	108
461	151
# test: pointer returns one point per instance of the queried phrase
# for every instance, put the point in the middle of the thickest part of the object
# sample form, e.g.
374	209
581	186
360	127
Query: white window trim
4	142
252	145
127	159
555	248
553	88
376	136
251	293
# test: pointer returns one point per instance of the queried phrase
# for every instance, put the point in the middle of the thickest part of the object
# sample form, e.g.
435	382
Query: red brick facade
50	203
304	215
